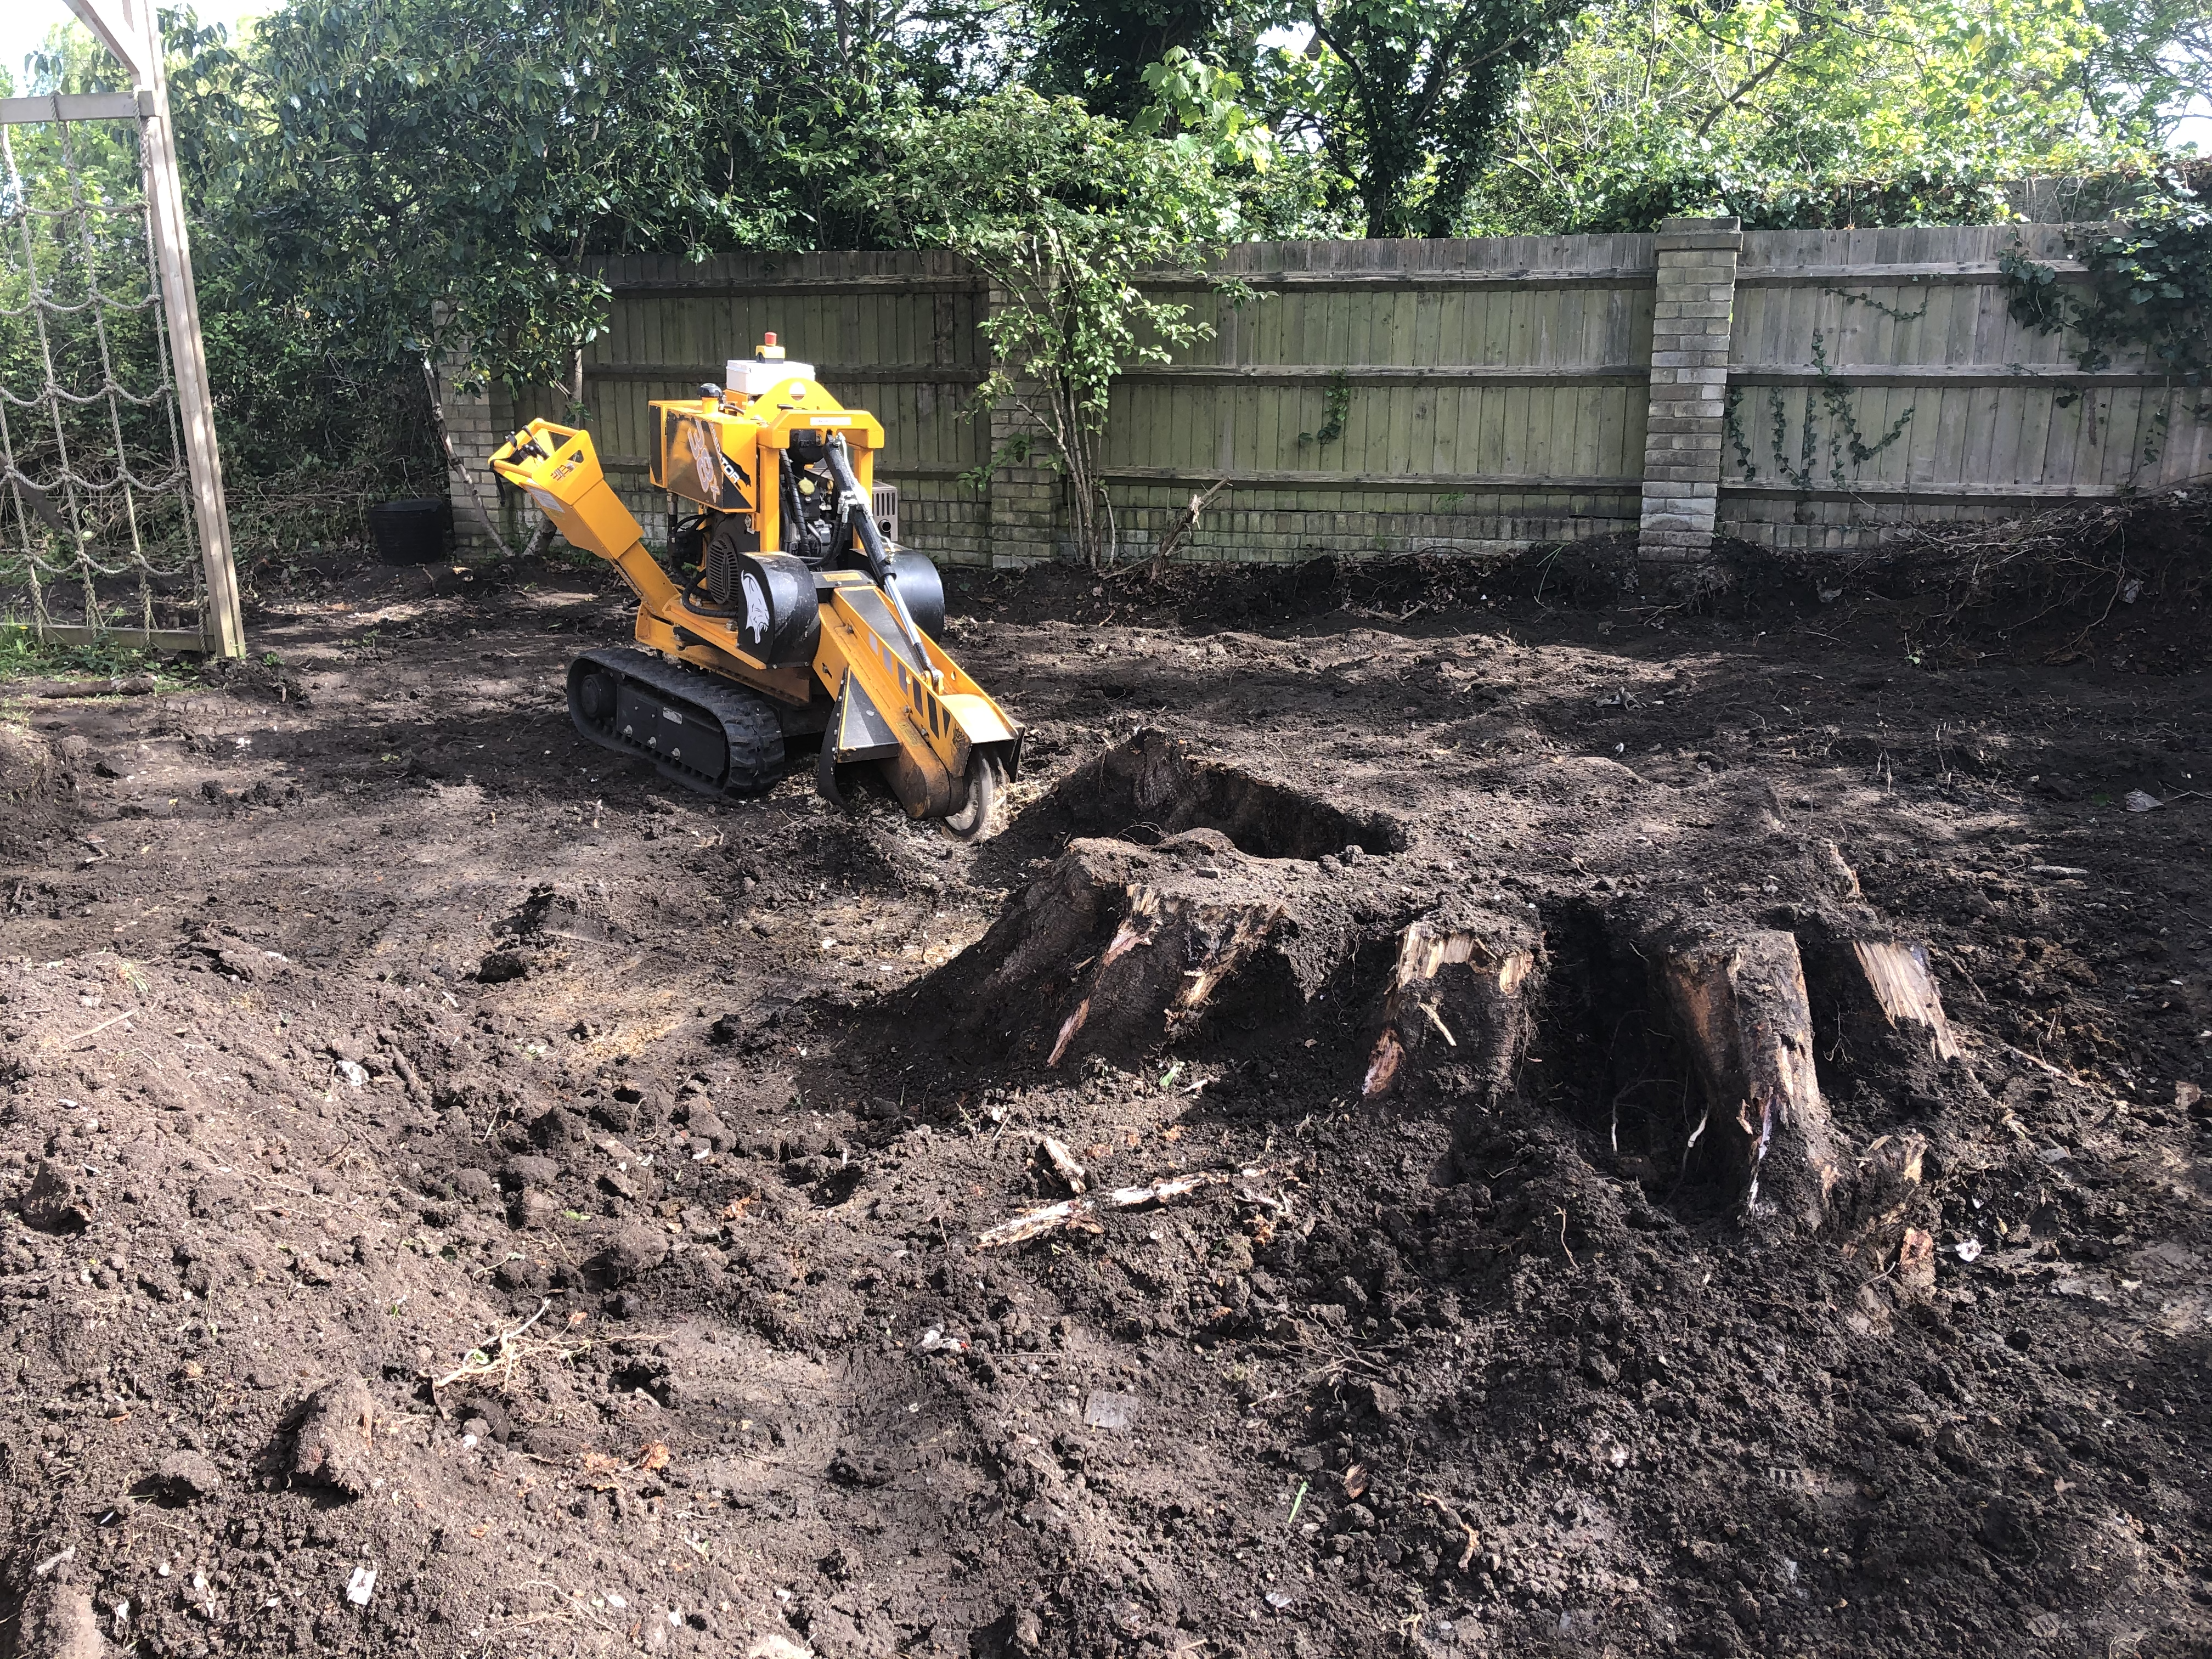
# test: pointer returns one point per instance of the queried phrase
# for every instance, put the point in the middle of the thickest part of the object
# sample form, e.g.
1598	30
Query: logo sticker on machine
755	609
702	461
548	501
830	420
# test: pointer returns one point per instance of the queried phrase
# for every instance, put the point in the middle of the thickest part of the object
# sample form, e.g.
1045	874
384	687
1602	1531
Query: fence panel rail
1464	396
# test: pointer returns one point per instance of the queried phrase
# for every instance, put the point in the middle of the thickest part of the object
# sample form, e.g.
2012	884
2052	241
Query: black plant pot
412	531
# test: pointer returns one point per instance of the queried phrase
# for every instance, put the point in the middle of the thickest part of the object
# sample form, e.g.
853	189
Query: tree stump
1739	1001
1460	1002
1118	949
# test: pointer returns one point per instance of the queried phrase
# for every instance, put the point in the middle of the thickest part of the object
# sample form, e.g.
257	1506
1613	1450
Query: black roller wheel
595	696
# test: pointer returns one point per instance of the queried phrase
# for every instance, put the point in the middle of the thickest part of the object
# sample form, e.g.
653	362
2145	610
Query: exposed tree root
1739	999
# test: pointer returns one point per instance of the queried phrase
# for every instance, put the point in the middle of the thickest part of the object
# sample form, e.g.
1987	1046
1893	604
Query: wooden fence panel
1483	393
1879	380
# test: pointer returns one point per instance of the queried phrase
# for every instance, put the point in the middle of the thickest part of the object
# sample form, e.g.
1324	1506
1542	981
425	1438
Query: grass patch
25	656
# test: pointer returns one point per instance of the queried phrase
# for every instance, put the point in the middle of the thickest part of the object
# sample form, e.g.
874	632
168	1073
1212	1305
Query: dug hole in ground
1469	1112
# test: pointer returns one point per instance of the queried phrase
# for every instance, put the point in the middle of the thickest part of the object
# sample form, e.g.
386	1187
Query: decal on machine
915	689
702	461
757	616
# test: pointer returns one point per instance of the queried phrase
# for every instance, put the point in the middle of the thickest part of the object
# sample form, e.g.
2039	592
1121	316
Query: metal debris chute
111	519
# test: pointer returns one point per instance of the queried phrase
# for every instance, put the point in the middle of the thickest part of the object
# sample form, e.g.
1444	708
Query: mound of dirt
1520	1128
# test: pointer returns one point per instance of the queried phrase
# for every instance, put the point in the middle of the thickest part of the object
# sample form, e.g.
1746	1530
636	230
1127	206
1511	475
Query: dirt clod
332	1444
186	1475
632	1252
57	1621
59	1200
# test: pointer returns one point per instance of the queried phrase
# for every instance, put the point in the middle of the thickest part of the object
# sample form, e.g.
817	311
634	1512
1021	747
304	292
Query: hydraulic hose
860	513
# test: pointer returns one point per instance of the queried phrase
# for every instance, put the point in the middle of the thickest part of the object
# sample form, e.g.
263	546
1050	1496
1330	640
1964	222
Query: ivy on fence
2150	285
1847	444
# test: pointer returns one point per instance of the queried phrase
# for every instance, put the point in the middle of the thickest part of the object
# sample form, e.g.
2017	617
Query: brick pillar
1025	496
1682	440
477	423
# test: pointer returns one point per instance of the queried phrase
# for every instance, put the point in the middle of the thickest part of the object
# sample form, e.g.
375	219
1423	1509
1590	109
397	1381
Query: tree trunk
1740	1002
455	464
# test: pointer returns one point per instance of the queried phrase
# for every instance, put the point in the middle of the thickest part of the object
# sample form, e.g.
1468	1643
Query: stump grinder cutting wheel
795	617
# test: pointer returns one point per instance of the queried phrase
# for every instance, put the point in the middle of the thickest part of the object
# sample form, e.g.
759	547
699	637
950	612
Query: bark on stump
1459	1000
1740	1003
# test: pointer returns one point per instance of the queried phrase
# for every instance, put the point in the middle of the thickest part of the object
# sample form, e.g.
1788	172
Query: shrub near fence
1803	389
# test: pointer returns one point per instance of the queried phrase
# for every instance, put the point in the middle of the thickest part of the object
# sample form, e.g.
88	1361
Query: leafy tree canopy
1062	210
1808	111
1402	101
438	175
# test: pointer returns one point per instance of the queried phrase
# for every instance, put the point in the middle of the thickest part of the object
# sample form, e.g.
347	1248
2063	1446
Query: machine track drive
698	730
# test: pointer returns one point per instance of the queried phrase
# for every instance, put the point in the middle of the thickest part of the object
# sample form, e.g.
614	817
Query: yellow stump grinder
791	616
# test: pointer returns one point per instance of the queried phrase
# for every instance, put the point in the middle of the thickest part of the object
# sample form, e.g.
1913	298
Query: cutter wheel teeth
703	732
984	815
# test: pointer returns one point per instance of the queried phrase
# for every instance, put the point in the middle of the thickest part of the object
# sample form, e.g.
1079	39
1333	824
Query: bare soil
438	1150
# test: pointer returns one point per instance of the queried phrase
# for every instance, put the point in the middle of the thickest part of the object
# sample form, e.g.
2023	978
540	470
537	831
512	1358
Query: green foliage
1196	98
1803	114
1337	399
1848	446
1102	51
1062	210
24	655
375	182
2152	62
439	178
2150	285
1404	100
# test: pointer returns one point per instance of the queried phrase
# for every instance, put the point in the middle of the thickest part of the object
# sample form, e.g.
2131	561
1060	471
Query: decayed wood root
1459	997
1169	954
1118	949
1740	1002
1885	1216
1881	1026
1897	975
1080	1214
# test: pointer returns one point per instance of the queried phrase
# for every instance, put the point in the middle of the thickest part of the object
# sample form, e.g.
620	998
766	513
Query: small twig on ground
506	1352
1080	1212
69	1042
1473	1538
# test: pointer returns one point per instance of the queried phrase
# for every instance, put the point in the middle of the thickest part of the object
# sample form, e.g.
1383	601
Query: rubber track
751	730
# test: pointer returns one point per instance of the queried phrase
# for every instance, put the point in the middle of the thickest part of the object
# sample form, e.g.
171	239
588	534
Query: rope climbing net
97	521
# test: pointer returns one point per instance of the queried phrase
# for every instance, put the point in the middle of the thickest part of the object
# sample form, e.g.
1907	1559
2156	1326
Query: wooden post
129	30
